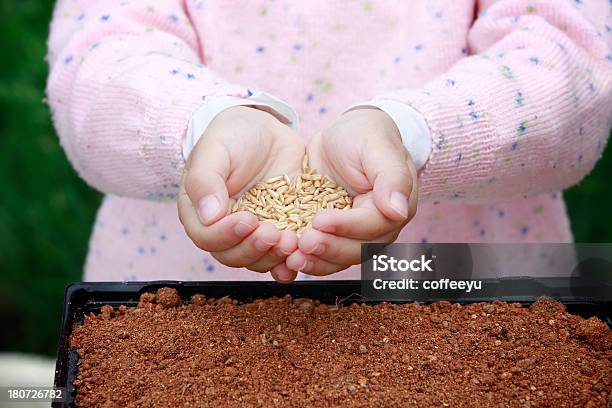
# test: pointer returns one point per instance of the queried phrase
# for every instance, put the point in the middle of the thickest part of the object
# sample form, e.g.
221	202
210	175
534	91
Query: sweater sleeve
528	112
124	81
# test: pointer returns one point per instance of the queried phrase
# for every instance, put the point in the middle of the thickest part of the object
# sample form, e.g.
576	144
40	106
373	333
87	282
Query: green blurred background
46	211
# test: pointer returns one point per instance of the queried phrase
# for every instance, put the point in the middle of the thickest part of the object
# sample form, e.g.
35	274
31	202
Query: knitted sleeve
125	78
529	111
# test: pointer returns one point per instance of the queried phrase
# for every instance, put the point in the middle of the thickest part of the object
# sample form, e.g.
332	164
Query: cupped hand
362	151
240	147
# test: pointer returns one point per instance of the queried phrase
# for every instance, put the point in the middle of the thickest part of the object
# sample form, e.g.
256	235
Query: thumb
394	182
205	180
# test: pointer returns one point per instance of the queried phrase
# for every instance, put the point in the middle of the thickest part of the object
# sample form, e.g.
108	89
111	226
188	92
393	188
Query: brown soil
284	352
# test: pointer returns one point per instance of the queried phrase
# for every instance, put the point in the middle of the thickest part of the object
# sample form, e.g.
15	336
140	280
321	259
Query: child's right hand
362	151
240	147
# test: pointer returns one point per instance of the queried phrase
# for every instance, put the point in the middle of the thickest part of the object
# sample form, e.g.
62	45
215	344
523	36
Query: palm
253	155
363	152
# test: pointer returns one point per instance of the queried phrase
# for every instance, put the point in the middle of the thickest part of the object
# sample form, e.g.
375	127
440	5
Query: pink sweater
518	101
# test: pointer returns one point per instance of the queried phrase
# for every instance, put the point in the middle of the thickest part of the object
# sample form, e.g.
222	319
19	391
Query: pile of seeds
291	204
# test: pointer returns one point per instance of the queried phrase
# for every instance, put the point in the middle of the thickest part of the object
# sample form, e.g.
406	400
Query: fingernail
399	202
207	209
262	245
327	228
242	229
318	249
301	268
281	253
307	266
283	275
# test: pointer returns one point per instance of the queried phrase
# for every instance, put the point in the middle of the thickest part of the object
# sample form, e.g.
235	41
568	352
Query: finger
265	264
311	265
277	254
205	181
330	247
287	244
252	248
340	250
282	274
364	222
392	174
223	234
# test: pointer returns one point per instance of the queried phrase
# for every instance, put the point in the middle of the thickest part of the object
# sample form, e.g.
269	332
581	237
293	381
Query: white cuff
204	115
412	127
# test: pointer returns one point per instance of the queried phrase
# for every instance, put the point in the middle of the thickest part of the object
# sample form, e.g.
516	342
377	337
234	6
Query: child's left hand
363	151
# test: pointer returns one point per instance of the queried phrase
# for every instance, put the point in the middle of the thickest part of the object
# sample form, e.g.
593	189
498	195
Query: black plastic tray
83	298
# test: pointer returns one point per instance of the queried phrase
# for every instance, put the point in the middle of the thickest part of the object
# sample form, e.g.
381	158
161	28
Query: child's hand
362	150
240	147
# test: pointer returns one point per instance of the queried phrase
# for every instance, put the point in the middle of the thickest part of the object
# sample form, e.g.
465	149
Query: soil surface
297	352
